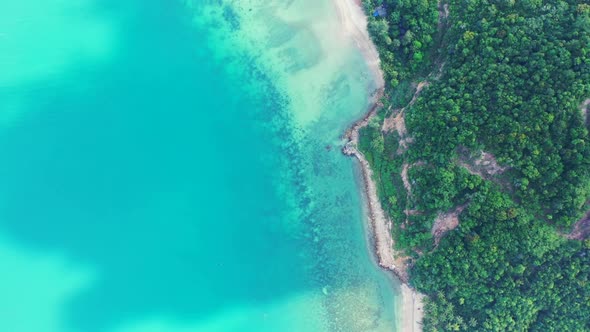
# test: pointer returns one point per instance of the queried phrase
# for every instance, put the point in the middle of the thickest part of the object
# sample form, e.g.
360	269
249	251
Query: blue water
155	179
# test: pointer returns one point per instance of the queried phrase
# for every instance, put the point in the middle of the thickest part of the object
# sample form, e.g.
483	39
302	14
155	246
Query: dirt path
584	109
406	180
581	229
408	186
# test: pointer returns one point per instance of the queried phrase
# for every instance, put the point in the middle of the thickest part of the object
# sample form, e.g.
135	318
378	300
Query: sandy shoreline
354	22
411	311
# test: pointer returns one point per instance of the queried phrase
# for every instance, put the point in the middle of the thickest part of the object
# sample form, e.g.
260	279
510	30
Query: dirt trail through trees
584	109
581	229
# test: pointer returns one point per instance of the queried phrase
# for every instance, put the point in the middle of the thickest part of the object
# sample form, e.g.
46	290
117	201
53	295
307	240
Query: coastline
379	229
354	22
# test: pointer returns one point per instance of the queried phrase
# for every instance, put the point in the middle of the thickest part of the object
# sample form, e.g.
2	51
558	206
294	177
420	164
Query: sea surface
174	166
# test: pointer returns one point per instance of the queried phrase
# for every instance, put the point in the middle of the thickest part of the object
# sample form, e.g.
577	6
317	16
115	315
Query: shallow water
165	168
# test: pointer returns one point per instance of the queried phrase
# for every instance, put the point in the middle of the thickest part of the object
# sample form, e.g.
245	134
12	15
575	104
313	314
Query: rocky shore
353	19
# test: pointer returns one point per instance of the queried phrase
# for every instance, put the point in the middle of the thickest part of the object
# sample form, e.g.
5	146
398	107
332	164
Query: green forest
508	78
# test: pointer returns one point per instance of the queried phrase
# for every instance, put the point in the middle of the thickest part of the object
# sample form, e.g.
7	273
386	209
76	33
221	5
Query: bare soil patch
405	179
581	229
485	166
397	122
445	222
584	109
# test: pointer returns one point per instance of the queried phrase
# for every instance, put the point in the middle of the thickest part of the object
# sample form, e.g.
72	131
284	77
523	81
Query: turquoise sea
174	166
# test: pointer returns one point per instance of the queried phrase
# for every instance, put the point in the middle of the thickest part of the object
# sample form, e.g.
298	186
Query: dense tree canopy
509	78
404	36
517	75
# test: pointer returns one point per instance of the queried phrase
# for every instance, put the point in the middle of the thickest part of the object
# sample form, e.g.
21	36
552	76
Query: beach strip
354	22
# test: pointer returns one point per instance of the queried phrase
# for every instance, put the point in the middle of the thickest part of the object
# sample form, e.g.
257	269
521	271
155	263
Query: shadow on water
146	169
